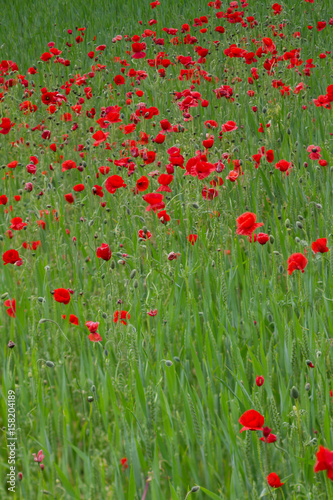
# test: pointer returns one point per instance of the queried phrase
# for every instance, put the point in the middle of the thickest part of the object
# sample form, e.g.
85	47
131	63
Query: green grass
167	391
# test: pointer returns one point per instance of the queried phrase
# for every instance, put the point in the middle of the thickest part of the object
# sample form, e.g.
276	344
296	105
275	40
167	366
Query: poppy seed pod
90	399
294	394
195	489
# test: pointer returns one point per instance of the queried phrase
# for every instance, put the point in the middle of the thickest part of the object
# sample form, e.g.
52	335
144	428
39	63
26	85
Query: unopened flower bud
294	394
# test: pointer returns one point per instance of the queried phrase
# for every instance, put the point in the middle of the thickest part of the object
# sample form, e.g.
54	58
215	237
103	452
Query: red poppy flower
143	235
74	320
229	126
320	246
119	80
142	184
62	295
123	315
154	201
69	198
268	437
296	261
192	238
78	188
113	183
68	165
152	312
262	238
104	252
251	420
10	257
11	304
260	380
3	199
270	155
274	480
246	224
283	166
17	224
324	461
163	216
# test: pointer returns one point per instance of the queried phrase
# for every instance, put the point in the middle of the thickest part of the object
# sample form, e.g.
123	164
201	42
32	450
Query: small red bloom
296	261
274	480
11	304
62	295
246	224
10	257
251	420
192	238
324	461
320	246
104	252
260	380
123	315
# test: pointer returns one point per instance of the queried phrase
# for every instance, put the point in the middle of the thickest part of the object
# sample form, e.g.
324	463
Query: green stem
261	468
299	428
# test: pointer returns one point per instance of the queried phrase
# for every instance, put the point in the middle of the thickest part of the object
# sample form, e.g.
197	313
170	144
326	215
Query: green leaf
210	494
131	488
65	481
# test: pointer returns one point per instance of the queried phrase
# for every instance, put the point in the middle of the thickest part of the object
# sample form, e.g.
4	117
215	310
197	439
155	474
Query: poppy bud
287	223
168	362
264	110
90	399
319	206
42	466
41	299
20	476
145	229
4	295
271	239
307	387
195	489
281	269
266	431
297	240
11	344
113	264
288	131
195	205
106	352
133	273
176	358
104	316
50	364
294	394
135	284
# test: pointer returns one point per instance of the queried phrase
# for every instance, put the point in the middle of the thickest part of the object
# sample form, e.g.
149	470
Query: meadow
166	250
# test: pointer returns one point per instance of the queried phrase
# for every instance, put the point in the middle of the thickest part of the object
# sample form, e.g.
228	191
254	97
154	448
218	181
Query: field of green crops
166	250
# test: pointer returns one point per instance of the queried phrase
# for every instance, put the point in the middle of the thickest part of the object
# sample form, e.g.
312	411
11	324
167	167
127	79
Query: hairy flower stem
299	429
261	468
